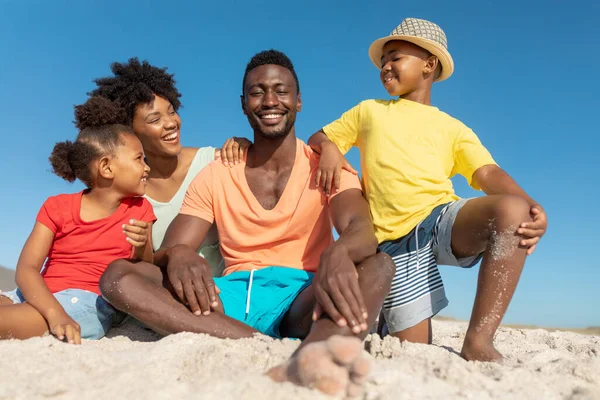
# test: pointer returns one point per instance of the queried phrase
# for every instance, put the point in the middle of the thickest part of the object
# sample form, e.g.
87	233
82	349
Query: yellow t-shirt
408	153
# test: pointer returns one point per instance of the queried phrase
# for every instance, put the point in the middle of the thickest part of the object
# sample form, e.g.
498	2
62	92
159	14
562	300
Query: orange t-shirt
293	234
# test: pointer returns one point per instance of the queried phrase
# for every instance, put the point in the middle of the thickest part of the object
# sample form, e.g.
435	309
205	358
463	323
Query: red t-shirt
81	250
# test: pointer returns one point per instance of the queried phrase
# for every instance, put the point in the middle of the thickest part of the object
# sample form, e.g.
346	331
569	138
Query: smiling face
406	68
157	125
129	171
271	101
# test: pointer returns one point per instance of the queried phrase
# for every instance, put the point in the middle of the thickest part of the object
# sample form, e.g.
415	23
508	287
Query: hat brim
376	51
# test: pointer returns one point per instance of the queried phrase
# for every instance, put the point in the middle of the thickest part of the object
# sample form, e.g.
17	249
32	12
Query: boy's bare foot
334	366
480	350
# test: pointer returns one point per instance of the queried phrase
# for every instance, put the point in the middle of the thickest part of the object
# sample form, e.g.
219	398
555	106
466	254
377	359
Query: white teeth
271	116
172	136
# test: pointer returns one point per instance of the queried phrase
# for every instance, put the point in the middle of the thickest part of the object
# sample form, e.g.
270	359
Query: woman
150	99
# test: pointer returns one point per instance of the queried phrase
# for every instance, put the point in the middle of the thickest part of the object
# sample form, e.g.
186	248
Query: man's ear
243	103
299	103
104	168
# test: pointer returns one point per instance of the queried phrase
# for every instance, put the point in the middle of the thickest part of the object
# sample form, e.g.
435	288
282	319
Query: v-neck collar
291	180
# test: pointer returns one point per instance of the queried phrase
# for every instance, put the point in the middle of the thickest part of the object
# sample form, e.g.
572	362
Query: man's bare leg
140	290
331	357
490	224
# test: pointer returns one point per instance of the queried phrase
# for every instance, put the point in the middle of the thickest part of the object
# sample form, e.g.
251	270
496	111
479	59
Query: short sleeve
469	155
198	200
347	181
148	212
344	131
49	215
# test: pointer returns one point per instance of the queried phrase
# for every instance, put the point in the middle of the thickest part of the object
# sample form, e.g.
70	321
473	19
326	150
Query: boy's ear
104	168
299	103
431	66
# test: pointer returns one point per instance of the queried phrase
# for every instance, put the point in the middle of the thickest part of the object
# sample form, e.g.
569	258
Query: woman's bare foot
337	365
480	350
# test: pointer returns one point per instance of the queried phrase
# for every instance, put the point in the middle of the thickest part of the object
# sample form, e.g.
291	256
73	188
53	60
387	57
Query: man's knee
114	280
379	270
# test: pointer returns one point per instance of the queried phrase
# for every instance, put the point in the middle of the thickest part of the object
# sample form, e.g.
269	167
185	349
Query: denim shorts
93	314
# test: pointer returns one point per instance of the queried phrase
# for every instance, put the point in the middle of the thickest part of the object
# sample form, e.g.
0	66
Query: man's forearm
358	240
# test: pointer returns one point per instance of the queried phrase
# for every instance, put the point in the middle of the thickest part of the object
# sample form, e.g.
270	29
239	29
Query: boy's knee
511	211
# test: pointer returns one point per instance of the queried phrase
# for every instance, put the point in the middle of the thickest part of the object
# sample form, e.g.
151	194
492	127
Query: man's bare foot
480	350
337	365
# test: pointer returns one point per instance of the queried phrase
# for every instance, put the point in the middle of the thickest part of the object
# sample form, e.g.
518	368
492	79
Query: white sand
539	365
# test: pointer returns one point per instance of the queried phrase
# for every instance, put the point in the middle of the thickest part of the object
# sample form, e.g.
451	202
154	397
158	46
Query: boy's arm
494	180
34	289
331	163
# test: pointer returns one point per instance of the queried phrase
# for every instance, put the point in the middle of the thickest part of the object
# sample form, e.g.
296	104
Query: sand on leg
489	224
331	358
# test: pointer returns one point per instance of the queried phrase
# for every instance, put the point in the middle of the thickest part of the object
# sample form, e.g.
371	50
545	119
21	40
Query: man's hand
192	280
533	231
329	172
233	150
337	291
64	327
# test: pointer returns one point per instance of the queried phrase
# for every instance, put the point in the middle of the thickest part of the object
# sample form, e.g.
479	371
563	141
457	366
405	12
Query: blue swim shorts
93	314
267	294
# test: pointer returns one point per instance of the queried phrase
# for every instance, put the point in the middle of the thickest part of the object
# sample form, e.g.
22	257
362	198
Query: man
275	231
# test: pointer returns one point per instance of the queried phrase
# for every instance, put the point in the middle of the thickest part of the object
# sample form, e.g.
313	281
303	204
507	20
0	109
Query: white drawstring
249	293
417	240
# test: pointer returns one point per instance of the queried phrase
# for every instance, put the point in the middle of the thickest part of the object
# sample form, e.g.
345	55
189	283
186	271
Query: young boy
409	151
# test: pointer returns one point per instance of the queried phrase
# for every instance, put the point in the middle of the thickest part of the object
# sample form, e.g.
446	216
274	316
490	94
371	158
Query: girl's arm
139	234
34	289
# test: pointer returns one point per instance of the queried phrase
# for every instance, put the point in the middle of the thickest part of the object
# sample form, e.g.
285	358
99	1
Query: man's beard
272	135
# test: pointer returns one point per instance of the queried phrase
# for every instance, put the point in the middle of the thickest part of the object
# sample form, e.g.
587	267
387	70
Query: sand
138	364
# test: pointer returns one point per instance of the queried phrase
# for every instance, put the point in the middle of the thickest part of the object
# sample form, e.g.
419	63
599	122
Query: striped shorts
417	291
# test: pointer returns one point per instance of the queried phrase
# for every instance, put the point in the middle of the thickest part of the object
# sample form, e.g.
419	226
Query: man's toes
333	381
278	373
360	369
354	390
344	350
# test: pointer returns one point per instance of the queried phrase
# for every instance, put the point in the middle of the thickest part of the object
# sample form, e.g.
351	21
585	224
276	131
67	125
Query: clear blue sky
526	81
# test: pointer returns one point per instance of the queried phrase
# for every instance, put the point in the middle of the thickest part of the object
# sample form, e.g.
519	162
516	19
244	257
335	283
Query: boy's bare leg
20	321
330	358
420	333
140	290
489	224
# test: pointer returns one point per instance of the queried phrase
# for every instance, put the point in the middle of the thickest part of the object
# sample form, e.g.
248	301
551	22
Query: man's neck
272	154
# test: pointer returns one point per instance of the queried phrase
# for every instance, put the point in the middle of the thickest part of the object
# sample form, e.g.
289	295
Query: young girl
80	234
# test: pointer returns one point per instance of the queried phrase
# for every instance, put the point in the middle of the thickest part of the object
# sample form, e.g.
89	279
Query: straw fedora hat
424	34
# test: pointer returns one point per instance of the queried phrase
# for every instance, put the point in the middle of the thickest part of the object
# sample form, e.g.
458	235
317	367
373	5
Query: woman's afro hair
136	83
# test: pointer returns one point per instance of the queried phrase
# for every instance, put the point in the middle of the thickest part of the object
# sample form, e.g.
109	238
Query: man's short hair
274	57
